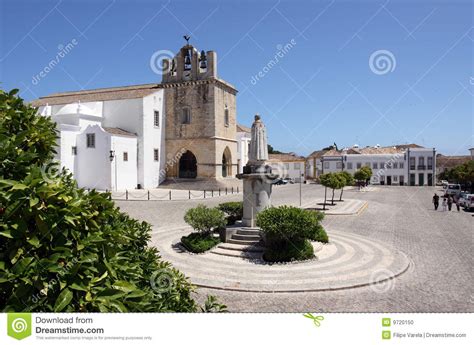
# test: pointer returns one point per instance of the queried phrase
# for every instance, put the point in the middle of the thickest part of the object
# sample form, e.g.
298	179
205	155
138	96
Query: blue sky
322	90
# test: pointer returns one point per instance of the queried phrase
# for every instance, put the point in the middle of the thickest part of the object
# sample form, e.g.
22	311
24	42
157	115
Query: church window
156	118
186	116
156	155
226	117
125	156
91	140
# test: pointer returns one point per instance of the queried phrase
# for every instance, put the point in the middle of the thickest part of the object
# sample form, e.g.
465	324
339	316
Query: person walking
450	202
444	204
436	201
458	205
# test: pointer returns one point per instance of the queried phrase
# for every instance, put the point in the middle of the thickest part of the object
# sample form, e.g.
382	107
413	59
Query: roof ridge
100	90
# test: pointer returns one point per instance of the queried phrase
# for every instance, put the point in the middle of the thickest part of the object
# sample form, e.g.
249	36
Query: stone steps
248	232
243	242
238	236
239	247
237	253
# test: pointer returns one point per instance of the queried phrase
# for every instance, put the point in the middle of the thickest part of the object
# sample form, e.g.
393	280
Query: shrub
234	211
319	234
64	249
287	230
287	223
205	219
290	251
198	242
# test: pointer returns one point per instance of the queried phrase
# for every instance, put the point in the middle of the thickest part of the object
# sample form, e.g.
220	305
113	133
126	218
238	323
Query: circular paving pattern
347	261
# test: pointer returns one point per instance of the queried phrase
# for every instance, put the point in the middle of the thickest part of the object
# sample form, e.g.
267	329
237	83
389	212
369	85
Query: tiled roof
332	152
285	157
317	154
105	94
242	128
451	161
119	131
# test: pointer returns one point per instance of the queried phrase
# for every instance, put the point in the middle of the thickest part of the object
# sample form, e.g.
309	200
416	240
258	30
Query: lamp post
111	157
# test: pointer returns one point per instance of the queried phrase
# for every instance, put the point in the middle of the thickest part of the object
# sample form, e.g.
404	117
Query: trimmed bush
233	209
319	235
63	249
287	230
198	242
289	251
204	219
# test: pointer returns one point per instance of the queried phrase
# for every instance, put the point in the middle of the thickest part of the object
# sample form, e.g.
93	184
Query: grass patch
199	242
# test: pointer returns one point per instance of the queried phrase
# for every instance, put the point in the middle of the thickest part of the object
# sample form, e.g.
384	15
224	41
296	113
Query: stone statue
258	151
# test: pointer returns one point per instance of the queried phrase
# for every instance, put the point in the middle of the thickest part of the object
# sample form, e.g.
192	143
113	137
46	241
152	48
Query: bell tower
200	113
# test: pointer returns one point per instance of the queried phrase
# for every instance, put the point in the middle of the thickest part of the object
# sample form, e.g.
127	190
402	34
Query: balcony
421	167
412	167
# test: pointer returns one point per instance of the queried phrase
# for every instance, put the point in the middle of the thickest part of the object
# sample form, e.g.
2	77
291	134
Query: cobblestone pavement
439	245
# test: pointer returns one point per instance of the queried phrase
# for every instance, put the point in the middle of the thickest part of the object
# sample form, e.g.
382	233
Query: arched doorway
187	165
226	163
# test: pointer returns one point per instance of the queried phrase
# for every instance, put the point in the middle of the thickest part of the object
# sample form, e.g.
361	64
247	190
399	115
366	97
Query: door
412	179
401	179
421	179
389	180
188	165
430	179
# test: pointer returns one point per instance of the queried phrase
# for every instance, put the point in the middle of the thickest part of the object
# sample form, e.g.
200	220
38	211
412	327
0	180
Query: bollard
232	189
126	194
237	189
225	190
170	195
219	192
189	194
204	194
148	194
212	193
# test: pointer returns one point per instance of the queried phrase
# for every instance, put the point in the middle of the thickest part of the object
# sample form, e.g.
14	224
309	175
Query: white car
464	198
453	189
469	204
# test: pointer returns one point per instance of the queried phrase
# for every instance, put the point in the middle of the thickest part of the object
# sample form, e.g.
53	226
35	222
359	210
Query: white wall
243	141
68	136
153	138
93	166
289	170
124	173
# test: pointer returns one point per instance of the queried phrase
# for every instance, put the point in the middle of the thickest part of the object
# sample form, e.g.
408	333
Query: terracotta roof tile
119	131
285	157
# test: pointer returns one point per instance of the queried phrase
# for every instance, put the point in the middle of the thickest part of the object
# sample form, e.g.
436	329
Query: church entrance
226	163
188	165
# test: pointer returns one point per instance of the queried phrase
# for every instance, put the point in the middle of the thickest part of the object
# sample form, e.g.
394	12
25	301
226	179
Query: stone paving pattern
439	245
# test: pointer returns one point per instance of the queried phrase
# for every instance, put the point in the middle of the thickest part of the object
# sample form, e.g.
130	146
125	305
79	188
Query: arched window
226	163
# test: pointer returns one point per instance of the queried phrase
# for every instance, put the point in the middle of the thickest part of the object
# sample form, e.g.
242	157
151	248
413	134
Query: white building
183	128
411	164
243	142
288	165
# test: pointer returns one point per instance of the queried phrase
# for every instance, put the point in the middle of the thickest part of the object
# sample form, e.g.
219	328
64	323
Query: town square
312	158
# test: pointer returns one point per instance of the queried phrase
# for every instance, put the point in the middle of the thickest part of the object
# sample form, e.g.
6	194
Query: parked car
453	189
289	180
280	181
444	183
469	204
464	198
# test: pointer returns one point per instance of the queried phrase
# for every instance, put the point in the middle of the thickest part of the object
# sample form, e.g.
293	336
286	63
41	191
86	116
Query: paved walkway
347	261
346	207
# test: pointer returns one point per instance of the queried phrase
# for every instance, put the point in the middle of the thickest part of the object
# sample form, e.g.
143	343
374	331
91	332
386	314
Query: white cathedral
182	129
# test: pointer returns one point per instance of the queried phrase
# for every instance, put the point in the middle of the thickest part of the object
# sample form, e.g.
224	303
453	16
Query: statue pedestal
256	194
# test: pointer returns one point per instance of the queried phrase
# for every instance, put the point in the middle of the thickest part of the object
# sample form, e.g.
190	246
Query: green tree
272	150
65	249
333	181
348	181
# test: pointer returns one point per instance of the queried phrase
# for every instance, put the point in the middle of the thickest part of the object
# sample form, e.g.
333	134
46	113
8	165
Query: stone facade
200	117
